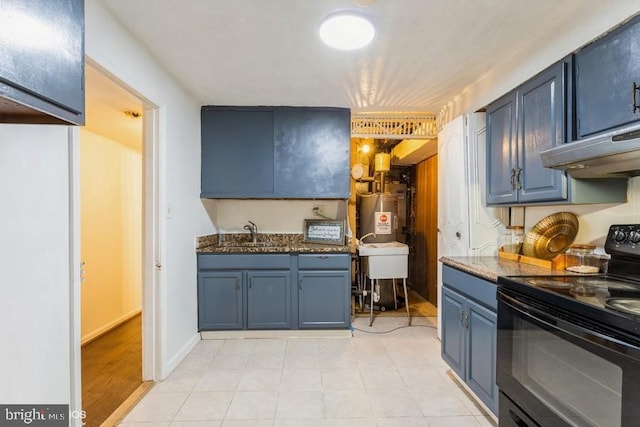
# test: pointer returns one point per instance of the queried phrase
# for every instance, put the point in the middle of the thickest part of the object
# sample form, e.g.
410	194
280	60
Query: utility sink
387	260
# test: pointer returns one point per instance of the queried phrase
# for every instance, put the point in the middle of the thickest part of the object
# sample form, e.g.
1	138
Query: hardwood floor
111	370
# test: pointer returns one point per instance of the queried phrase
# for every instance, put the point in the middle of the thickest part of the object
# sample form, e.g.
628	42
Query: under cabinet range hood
606	155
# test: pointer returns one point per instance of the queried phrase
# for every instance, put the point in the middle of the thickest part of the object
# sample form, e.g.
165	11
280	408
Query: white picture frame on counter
328	232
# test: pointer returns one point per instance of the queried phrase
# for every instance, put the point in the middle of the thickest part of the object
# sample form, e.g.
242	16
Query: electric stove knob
634	237
619	236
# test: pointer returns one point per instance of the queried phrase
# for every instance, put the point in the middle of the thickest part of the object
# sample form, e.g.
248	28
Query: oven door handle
573	329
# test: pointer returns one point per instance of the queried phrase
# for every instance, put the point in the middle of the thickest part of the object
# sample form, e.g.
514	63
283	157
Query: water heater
378	213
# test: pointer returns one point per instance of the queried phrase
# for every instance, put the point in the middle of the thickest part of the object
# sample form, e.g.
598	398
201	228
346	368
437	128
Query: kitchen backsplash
271	216
594	219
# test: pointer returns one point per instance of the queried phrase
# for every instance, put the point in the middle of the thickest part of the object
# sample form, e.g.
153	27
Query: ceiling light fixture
346	30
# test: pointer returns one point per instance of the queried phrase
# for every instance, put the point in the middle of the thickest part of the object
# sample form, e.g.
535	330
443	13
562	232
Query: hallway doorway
111	229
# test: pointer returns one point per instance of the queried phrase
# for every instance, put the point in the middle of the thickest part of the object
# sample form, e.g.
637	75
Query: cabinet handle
237	284
513	179
300	284
249	283
323	257
464	319
635	90
518	183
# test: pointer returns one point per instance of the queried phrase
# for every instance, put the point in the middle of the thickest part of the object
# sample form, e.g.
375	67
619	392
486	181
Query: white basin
387	248
384	260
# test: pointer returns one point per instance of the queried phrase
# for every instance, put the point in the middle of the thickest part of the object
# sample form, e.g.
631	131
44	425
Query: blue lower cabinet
268	300
220	300
453	332
324	299
469	332
274	291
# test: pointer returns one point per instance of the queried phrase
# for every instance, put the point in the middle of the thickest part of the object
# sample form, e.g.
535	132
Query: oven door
563	372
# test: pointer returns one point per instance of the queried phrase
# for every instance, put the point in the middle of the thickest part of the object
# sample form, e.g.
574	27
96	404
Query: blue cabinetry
534	117
606	71
522	123
244	292
275	152
44	83
469	332
324	291
220	300
237	152
255	291
268	300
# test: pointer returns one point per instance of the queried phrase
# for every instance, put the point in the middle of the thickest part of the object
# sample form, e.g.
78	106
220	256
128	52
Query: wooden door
424	262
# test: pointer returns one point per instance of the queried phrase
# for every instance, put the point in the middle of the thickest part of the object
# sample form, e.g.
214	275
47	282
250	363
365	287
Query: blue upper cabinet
312	152
501	150
542	109
606	71
237	152
42	82
531	118
275	152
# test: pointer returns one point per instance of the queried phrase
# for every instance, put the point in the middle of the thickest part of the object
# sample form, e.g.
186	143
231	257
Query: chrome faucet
253	229
361	240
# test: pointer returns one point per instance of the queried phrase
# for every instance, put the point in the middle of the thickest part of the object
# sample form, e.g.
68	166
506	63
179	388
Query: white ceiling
267	52
106	104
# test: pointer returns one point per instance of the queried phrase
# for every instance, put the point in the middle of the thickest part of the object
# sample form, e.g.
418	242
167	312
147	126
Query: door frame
151	249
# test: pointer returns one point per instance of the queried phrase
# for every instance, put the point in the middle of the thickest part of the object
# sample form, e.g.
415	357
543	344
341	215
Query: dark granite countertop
266	243
490	268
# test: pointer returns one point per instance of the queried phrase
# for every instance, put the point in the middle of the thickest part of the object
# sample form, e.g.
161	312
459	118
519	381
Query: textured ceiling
267	52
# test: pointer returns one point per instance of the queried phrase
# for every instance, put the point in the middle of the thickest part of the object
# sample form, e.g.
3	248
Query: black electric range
568	346
612	298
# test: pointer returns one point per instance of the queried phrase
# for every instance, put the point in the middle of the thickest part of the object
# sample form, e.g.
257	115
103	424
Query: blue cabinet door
481	354
49	77
237	152
268	300
312	152
541	125
605	72
453	331
324	299
220	300
501	150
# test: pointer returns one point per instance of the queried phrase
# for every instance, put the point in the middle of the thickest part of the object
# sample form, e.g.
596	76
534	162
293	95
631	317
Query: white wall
498	82
594	219
271	216
35	272
111	232
183	216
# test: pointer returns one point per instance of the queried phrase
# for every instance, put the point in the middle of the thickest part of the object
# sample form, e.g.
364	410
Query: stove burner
550	284
625	305
609	284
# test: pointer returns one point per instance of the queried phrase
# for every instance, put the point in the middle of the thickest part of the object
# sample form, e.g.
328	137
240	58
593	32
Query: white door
484	222
453	211
466	226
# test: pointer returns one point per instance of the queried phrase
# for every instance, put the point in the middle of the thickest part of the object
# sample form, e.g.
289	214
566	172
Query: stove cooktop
596	291
612	299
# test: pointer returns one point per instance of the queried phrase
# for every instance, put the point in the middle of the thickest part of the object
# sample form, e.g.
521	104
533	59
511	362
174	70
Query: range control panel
623	240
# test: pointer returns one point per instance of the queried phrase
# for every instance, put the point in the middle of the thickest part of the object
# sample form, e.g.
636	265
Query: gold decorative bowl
551	236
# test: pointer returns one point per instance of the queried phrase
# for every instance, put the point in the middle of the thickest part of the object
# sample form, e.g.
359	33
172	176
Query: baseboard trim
293	333
121	411
109	327
476	400
179	357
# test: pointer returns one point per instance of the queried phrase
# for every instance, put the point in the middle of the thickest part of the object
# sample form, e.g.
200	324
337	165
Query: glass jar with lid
511	240
581	258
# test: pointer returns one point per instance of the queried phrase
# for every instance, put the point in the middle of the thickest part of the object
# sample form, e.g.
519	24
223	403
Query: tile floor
382	379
